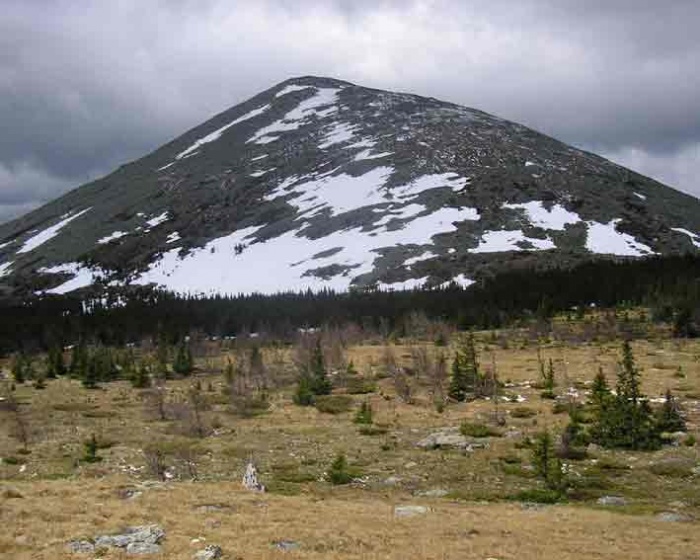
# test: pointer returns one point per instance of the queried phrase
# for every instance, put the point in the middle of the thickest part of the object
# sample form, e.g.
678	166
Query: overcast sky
86	86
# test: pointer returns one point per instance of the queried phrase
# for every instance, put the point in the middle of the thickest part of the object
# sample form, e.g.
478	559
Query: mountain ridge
318	183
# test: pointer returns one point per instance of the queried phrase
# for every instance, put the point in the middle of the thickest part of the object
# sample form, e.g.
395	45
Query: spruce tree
465	379
320	384
669	417
140	378
183	364
600	391
18	369
545	461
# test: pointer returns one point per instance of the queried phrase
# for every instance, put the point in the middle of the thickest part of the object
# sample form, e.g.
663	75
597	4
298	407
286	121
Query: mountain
319	183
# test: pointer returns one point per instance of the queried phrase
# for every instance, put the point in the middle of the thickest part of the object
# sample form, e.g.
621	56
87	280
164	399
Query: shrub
523	412
359	386
333	404
470	429
340	472
90	455
373	430
364	414
540	496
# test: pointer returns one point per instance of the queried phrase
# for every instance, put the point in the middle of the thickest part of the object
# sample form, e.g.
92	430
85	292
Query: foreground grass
293	447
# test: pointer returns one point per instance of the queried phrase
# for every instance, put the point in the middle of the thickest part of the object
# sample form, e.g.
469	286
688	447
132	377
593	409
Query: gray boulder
612	501
210	552
81	547
449	438
410	511
144	539
674	517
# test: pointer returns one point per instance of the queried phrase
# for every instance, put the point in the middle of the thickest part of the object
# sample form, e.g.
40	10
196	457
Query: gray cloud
86	86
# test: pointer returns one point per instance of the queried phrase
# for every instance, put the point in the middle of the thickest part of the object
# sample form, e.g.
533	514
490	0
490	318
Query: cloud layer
87	86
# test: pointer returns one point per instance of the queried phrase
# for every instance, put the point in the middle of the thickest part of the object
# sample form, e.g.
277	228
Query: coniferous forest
670	286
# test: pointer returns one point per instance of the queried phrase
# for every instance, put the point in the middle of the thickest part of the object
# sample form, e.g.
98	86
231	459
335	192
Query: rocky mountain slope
318	183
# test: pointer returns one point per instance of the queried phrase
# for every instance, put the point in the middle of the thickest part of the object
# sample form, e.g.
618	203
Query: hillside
317	183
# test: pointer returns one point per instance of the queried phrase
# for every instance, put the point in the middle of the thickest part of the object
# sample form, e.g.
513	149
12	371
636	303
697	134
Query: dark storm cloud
86	86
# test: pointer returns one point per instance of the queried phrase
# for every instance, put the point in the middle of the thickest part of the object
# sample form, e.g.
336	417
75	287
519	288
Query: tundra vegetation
593	415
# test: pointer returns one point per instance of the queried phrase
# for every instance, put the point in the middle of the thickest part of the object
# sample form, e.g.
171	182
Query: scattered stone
695	470
612	501
129	493
142	548
9	493
675	517
409	511
250	479
135	540
410	465
513	434
212	523
212	508
449	438
392	481
434	493
210	552
286	545
81	547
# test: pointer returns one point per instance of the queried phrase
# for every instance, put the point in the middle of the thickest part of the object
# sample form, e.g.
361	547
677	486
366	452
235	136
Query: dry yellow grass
362	526
293	446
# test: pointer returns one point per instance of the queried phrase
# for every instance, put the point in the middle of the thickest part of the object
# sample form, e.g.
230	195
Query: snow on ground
341	132
279	264
694	237
3	245
262	172
49	233
257	158
112	237
218	132
605	239
290	88
173	237
153	222
555	218
82	277
166	166
639	195
366	154
364	143
417	186
506	240
5	268
529	163
463	281
422	257
410	284
294	118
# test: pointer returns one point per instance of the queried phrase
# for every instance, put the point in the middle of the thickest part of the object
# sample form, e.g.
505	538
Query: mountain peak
318	183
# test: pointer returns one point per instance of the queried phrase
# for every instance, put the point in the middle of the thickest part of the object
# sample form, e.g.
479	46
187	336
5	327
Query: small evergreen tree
600	391
339	472
548	382
303	395
465	379
140	378
183	364
55	366
545	461
320	384
669	417
626	420
90	455
40	381
364	414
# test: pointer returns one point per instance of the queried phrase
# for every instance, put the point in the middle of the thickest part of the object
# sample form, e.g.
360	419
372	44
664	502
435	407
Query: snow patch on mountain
294	118
341	132
213	136
410	284
605	239
367	154
694	237
49	233
82	277
509	240
5	269
290	88
156	221
422	257
173	237
555	218
112	237
287	262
